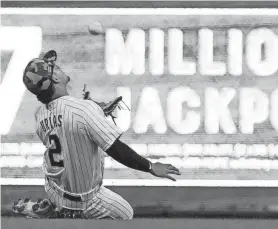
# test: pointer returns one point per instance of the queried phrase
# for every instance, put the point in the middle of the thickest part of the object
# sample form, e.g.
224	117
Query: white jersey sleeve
99	128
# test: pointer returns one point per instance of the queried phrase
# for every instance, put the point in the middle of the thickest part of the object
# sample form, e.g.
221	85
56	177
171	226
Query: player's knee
126	211
130	212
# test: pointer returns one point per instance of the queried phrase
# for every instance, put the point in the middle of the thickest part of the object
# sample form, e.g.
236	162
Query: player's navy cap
38	74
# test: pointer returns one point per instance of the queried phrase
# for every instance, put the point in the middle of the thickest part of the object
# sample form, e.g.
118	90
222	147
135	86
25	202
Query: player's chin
69	84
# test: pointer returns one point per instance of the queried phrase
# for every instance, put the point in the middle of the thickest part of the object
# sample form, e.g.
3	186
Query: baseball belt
78	197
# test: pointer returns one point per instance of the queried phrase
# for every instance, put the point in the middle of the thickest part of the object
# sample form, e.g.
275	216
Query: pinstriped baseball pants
103	204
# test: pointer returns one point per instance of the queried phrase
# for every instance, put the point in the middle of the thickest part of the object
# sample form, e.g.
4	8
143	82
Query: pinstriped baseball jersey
76	133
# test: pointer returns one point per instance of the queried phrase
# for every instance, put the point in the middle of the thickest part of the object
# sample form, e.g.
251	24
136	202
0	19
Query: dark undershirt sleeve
128	157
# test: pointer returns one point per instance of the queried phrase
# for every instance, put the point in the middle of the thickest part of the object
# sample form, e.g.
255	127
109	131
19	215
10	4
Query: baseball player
76	134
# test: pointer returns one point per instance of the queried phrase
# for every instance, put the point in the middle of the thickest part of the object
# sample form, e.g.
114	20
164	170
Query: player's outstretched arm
107	138
128	157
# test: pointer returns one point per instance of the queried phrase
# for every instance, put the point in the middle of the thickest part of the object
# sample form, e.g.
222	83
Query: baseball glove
108	108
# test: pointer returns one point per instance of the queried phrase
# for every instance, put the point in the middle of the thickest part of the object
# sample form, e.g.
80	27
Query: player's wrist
150	166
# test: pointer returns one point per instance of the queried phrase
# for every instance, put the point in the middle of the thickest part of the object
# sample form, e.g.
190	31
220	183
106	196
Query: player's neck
59	94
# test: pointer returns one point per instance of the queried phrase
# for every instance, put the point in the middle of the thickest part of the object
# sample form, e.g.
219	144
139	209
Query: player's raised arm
107	135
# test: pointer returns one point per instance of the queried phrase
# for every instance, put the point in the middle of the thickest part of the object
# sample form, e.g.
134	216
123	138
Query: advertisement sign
201	85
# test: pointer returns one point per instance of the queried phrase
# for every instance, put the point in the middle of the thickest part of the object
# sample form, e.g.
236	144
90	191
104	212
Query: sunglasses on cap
50	58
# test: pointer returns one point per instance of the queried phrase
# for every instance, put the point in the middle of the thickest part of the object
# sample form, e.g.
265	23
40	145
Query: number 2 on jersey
57	150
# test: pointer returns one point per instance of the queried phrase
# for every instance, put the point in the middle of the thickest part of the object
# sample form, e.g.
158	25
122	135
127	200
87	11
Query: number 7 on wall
26	44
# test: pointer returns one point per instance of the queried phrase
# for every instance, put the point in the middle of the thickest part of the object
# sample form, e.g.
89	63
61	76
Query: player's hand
163	170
